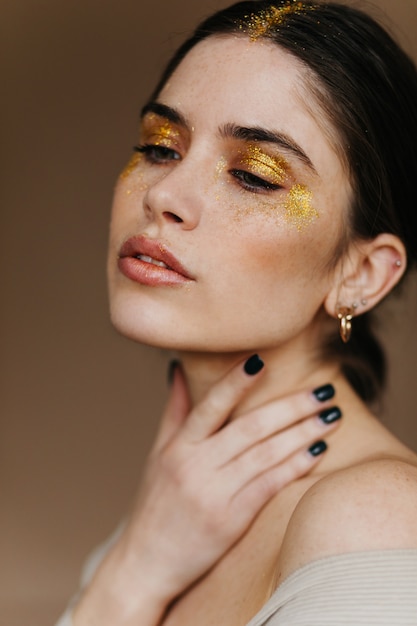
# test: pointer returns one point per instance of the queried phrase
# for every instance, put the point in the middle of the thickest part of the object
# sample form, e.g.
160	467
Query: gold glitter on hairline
261	24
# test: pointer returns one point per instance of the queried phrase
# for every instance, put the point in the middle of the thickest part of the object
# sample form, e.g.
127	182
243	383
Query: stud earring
345	315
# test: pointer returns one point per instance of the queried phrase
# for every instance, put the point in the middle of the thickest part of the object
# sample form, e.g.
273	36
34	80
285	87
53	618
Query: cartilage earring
345	315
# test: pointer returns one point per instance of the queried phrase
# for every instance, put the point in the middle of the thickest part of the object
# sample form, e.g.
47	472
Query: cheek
137	176
264	246
259	252
295	207
133	174
300	209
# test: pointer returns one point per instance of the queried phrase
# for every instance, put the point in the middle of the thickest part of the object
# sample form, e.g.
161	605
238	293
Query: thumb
176	409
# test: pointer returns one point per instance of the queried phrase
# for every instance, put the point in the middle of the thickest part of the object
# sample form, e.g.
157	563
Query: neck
290	369
286	370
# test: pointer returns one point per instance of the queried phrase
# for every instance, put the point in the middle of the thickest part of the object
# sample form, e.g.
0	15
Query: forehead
232	65
251	83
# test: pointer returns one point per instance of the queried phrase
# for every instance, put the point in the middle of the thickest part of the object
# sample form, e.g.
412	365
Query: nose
175	198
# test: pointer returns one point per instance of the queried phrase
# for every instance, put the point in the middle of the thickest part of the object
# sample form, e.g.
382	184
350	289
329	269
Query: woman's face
226	219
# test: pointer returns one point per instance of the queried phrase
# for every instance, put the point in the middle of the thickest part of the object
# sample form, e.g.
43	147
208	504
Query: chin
142	328
174	333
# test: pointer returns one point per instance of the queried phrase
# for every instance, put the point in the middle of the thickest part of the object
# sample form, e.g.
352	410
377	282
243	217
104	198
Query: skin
224	226
259	283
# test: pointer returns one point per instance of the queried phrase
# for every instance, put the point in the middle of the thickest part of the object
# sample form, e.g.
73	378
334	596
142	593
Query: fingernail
253	365
318	448
324	393
328	416
172	366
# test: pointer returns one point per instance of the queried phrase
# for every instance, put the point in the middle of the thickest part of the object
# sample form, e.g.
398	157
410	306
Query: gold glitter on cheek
132	164
132	167
298	206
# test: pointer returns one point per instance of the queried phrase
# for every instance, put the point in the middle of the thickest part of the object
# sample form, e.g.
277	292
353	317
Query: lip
147	273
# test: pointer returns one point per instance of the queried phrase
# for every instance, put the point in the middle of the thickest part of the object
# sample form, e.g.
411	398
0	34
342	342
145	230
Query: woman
267	208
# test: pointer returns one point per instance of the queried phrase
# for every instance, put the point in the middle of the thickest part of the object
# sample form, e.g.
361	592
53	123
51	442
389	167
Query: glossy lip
147	273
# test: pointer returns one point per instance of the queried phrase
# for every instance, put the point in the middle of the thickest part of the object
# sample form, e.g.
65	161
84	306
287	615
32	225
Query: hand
206	480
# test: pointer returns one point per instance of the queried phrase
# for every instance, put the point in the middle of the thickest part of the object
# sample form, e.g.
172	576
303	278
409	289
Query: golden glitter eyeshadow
162	134
133	162
298	207
273	168
260	24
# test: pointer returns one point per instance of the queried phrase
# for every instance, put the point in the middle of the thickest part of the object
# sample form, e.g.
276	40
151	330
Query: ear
366	274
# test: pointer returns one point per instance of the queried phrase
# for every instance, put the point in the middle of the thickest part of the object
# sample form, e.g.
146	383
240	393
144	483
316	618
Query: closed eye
253	183
157	154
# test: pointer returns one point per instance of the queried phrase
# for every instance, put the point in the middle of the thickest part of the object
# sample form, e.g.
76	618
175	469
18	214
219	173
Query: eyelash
253	183
159	155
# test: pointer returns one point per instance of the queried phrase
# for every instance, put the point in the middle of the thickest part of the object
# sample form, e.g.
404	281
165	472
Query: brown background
79	403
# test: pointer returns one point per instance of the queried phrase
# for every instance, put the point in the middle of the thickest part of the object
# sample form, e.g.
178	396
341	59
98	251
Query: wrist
122	592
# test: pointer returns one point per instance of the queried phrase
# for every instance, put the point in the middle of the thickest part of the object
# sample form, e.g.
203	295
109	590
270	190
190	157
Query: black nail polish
324	393
253	365
318	448
172	366
328	416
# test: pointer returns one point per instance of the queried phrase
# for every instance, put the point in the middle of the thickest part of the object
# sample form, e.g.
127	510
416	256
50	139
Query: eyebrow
262	135
165	111
230	130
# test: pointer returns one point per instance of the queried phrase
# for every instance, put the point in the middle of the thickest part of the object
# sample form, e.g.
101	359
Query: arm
206	480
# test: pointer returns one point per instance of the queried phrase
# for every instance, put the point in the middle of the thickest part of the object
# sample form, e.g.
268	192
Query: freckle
269	211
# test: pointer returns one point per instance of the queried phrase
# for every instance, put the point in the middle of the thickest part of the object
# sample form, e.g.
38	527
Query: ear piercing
345	315
398	263
355	304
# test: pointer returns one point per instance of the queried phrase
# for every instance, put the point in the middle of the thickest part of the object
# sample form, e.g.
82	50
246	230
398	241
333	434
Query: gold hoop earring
345	315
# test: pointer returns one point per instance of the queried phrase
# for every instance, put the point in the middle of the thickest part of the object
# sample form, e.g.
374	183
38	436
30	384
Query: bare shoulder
371	506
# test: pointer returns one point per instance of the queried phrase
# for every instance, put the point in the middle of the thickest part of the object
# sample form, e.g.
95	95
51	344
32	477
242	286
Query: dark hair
367	86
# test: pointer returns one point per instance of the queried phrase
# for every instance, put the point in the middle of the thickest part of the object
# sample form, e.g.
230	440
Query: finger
274	417
176	410
255	495
276	450
216	407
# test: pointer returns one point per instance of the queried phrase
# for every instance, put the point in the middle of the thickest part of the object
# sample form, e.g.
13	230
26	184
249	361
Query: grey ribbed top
376	588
